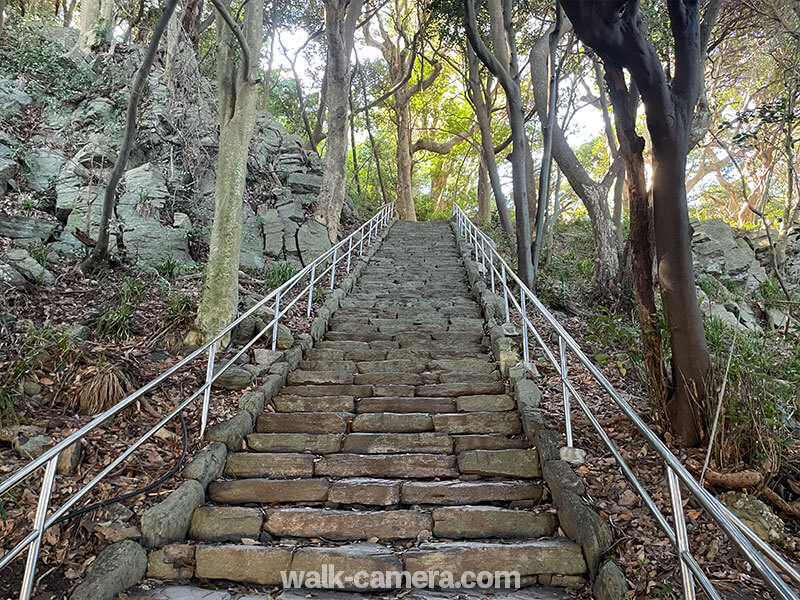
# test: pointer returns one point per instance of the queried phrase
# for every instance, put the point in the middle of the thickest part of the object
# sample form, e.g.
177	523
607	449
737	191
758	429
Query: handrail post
562	349
680	533
311	288
491	266
505	293
349	253
212	353
275	325
361	243
333	268
483	255
369	234
523	310
38	527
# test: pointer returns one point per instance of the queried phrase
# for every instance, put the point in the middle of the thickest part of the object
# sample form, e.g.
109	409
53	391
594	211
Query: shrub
115	321
278	273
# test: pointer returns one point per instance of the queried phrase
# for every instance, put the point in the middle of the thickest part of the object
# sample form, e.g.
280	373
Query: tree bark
615	31
238	93
96	24
484	214
340	23
504	65
476	95
100	252
405	198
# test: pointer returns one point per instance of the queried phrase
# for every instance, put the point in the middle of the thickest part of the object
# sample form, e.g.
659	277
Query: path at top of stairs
394	446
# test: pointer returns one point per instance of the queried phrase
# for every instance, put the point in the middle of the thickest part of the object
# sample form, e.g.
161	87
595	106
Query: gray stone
225	523
207	465
312	240
168	521
265	356
252	401
757	516
363	490
22	227
610	583
43	166
12	99
117	567
249	564
302	183
347	525
10	277
28	267
70	458
572	455
285	337
521	463
582	524
8	169
233	378
181	221
464	522
527	393
32	447
232	432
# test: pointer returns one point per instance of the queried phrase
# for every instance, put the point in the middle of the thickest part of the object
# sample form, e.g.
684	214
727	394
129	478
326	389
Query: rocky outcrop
166	198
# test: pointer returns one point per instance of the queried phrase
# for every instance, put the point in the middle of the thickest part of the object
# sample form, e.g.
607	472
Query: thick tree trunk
96	24
521	215
405	198
631	147
192	18
340	21
439	177
238	99
484	213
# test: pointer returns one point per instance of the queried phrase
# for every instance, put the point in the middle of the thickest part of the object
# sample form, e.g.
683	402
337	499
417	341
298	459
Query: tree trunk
631	147
238	98
484	214
100	252
405	198
340	22
475	93
552	219
96	24
2	11
518	154
439	177
192	18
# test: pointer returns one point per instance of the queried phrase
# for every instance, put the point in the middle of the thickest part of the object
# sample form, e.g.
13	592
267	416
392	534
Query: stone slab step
354	391
403	466
269	491
462	443
379	422
269	464
484	403
291	403
225	523
316	443
520	463
265	564
482	522
469	492
307	422
467	388
478	422
328	365
365	490
397	443
384	379
347	525
400	404
301	377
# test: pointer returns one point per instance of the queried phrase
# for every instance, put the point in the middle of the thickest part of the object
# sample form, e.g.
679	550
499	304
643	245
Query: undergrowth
115	321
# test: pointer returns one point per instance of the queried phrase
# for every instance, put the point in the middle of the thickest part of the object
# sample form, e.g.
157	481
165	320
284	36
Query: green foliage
180	306
277	273
569	274
45	65
115	321
170	268
38	252
621	338
760	392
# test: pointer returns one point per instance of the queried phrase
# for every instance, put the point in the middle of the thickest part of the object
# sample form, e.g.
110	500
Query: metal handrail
322	267
496	269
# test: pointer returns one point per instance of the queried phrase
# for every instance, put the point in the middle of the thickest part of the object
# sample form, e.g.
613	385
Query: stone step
557	559
269	491
403	466
399	443
482	522
388	378
477	422
302	377
272	464
469	492
378	422
405	404
328	365
316	443
347	525
225	523
453	389
355	391
462	443
303	422
365	491
290	403
520	463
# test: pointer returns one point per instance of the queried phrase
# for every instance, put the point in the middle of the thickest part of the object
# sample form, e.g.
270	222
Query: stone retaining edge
577	518
167	523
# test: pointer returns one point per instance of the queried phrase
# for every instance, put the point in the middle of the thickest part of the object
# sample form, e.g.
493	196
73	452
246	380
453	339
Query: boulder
42	166
8	167
117	567
12	99
168	521
312	240
32	447
10	277
233	378
304	183
22	227
28	267
252	253
285	337
758	517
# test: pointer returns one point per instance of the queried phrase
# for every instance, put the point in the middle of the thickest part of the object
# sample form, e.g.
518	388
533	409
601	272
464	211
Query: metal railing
501	278
340	256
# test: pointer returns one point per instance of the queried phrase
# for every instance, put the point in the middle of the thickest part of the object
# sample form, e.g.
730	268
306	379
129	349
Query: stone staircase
394	446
